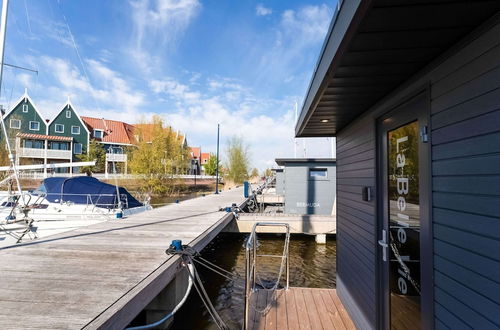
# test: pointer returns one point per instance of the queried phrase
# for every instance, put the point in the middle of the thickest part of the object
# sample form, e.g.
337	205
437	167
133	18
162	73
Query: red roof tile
204	157
114	131
195	152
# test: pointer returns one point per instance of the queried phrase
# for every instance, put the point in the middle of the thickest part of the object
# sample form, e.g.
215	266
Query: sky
243	64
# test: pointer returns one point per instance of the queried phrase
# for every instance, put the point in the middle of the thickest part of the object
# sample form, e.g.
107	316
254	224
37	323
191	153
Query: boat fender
119	215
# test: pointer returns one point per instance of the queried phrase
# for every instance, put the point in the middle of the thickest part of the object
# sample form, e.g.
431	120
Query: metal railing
251	263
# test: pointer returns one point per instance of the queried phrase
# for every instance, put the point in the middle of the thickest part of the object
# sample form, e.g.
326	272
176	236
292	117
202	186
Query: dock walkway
103	275
299	308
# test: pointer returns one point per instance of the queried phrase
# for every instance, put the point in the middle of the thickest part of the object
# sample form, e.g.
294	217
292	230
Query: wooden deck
103	275
299	308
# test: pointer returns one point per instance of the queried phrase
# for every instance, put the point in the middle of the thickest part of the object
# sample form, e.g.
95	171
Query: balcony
40	153
116	157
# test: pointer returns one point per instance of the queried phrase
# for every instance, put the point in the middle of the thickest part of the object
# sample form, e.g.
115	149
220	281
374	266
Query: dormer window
68	114
25	108
98	133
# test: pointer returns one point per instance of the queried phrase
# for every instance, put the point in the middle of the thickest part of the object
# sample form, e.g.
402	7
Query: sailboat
59	204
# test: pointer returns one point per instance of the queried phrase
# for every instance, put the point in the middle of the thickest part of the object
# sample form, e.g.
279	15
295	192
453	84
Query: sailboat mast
3	31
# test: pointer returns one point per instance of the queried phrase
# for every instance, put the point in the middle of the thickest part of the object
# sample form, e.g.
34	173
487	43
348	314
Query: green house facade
69	124
24	117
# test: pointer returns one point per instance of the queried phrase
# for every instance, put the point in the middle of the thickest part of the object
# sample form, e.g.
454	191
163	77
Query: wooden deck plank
304	308
260	322
332	310
281	310
304	317
343	313
271	315
104	274
291	310
312	310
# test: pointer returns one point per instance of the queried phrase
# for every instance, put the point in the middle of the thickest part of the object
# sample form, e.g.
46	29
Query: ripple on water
311	265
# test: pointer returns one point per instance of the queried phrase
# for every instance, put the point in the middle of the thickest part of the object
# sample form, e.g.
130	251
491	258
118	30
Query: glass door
405	237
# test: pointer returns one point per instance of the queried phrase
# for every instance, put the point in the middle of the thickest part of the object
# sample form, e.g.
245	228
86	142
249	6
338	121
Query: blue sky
197	63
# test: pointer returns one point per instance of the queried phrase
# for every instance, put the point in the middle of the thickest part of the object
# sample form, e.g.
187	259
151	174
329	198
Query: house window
98	133
15	123
75	130
25	108
59	146
77	148
68	114
34	144
59	128
34	125
318	173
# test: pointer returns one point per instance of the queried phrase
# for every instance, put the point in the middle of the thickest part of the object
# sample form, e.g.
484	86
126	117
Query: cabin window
75	129
34	144
34	125
318	173
15	123
68	114
59	128
59	146
98	133
25	108
77	148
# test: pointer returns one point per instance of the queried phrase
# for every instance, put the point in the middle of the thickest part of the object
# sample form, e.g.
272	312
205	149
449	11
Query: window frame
25	108
317	170
79	130
98	130
68	114
13	119
34	122
74	148
55	128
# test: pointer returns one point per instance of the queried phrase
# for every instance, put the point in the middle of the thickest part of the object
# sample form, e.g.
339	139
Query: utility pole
217	165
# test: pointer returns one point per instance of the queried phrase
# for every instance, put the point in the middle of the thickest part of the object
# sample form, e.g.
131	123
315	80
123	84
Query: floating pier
103	275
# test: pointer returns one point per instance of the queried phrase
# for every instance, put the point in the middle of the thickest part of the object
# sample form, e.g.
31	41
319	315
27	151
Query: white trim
67	112
73	126
117	143
55	165
32	129
21	99
76	114
97	130
25	106
55	128
10	123
81	149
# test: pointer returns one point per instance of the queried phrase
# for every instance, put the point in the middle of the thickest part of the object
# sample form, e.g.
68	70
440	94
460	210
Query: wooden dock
103	275
299	308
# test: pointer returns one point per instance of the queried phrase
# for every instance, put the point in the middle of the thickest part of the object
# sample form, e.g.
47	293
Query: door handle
383	243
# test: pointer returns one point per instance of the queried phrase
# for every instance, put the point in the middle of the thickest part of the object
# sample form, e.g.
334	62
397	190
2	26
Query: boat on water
62	204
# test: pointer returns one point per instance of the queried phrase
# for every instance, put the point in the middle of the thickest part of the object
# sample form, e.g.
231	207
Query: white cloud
267	125
260	10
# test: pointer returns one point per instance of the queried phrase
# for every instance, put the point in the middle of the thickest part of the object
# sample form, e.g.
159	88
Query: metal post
247	288
217	165
287	259
3	31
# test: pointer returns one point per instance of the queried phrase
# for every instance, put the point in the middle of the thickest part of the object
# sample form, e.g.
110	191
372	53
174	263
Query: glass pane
319	173
404	226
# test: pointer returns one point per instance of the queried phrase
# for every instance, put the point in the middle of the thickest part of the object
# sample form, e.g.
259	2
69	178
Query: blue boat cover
86	189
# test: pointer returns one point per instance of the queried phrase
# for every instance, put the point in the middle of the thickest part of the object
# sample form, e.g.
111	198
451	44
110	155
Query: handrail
251	262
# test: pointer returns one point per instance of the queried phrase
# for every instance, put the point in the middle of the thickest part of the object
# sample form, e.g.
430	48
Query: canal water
311	265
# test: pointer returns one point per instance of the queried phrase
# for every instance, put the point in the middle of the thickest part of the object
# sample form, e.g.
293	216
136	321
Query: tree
96	152
158	156
267	173
237	160
211	165
255	173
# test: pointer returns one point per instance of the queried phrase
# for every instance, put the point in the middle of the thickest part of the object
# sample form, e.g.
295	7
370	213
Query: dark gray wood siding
465	121
465	137
356	221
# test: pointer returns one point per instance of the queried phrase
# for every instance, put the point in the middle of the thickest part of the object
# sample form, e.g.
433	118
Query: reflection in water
311	265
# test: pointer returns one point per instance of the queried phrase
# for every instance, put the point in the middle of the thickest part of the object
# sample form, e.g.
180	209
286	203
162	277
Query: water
311	265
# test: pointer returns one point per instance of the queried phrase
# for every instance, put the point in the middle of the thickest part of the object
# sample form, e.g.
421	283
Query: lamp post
217	165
